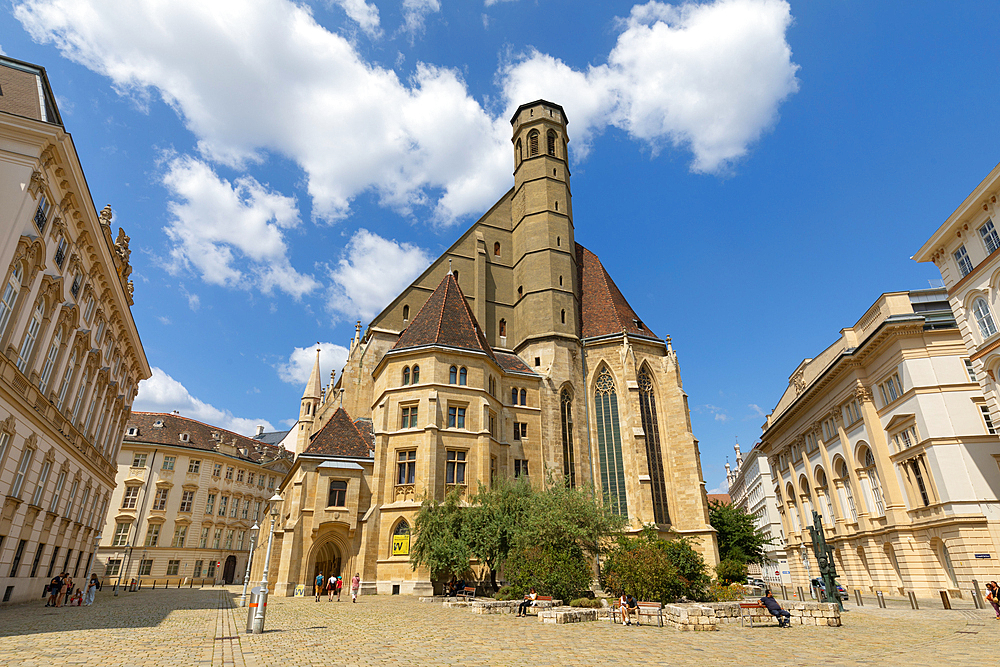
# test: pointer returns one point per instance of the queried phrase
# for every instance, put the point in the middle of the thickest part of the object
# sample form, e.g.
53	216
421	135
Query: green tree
560	516
491	523
563	573
439	540
739	538
655	569
731	571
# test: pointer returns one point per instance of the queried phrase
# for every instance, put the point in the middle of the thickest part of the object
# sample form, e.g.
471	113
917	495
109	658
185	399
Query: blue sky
752	173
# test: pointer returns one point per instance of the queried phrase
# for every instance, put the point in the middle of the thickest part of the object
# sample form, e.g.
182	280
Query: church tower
311	399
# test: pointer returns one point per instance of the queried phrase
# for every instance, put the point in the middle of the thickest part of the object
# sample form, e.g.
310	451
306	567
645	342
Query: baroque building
514	353
187	496
883	434
70	355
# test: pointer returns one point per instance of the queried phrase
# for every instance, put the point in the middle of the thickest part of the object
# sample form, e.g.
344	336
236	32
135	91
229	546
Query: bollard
975	599
977	594
802	597
857	597
944	600
881	599
913	600
784	593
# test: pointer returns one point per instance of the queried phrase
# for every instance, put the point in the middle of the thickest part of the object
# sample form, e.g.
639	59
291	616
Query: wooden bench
747	613
654	609
469	593
538	598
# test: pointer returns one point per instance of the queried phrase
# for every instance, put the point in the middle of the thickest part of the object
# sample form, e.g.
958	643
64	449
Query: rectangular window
520	431
210	504
17	557
153	535
970	370
83	505
41	213
409	419
211	568
989	236
168	462
406	466
456	417
985	409
905	439
217	538
172	567
891	389
229	473
256	511
194	466
246	509
130	497
455	467
216	470
240	538
919	478
187	501
113	567
160	501
270	483
520	467
121	534
493	424
234	508
239	475
22	472
223	504
36	499
251	477
34	562
139	460
145	567
338	493
203	541
180	534
964	263
198	565
229	540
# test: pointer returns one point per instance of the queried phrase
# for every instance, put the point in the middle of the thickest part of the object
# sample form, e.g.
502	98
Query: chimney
260	429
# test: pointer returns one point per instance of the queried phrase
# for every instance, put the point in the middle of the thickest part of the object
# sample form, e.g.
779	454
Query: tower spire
313	388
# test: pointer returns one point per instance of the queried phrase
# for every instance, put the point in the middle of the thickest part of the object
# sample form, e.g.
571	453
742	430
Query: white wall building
751	487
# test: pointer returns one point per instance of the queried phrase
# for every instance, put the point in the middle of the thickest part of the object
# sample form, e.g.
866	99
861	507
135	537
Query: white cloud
164	320
718	413
362	13
721	488
708	77
162	393
300	362
415	12
756	411
371	272
230	233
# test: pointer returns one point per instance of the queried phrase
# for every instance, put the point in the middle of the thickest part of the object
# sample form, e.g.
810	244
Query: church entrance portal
229	572
327	561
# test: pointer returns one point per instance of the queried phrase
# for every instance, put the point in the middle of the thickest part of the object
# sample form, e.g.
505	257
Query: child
77	598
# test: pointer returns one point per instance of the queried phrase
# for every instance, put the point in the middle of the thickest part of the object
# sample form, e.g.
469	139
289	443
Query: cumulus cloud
230	233
267	78
718	413
706	77
371	272
415	13
362	13
300	362
162	393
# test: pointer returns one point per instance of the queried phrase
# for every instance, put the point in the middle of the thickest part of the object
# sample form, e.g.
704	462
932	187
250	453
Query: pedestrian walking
993	597
331	588
355	585
92	585
55	587
340	586
319	585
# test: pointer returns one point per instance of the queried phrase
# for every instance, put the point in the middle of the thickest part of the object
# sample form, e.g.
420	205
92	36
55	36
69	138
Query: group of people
62	594
334	584
454	587
630	607
993	597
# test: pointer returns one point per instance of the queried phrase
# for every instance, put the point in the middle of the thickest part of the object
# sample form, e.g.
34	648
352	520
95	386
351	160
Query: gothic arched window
551	143
406	375
569	458
463	376
503	328
496	249
533	143
609	443
416	374
513	396
453	375
524	397
654	455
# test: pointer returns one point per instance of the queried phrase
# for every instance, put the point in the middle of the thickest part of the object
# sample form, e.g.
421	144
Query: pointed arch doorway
328	560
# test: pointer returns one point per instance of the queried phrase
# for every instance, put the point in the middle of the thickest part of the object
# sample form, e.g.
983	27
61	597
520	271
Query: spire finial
449	267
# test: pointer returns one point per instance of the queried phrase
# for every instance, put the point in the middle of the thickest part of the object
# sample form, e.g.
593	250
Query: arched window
30	336
9	298
562	313
984	318
654	455
550	143
416	374
847	493
524	397
609	443
793	508
558	242
533	143
401	539
945	558
406	375
67	379
517	148
823	497
453	375
496	249
874	485
503	328
807	508
513	396
569	457
406	313
463	376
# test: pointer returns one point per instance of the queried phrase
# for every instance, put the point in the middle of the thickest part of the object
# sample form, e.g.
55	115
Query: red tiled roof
445	319
512	363
603	309
364	426
721	497
199	436
340	437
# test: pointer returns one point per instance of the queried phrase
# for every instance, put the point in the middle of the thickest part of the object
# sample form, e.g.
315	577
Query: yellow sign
400	545
300	591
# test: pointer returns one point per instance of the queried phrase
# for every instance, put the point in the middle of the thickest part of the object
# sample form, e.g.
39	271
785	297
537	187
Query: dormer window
132	431
158	423
638	325
185	437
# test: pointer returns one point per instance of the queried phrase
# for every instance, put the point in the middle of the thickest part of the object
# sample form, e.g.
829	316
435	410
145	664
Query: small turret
311	399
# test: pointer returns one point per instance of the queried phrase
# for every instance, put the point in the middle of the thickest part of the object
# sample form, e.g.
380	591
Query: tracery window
569	456
463	376
654	455
609	443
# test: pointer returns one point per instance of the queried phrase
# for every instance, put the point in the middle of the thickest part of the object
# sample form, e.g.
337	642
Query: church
515	354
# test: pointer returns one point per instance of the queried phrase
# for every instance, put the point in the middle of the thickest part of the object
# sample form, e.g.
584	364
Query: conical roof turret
314	388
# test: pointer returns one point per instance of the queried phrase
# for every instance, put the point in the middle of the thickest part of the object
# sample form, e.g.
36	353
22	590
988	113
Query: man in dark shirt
54	587
784	618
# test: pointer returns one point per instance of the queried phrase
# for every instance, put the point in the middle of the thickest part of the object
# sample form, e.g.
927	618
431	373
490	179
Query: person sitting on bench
784	618
529	600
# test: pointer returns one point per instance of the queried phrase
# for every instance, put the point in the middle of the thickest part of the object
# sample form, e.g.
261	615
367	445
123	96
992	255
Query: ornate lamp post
258	619
246	577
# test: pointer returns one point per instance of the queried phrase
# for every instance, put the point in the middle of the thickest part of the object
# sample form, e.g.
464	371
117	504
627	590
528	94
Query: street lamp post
246	577
90	568
258	619
122	566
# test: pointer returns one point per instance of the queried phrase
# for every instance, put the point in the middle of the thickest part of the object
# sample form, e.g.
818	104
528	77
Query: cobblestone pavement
204	627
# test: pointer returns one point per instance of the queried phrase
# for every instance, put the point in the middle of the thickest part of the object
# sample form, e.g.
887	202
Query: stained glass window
609	443
654	455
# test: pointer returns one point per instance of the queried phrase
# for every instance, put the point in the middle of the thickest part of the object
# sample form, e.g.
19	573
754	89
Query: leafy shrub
506	593
721	593
731	571
561	573
587	603
654	569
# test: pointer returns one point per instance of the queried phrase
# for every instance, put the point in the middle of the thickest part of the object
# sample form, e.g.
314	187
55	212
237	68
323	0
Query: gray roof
272	438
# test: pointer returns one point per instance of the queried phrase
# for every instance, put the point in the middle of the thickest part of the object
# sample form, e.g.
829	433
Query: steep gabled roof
603	308
339	437
165	428
445	319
